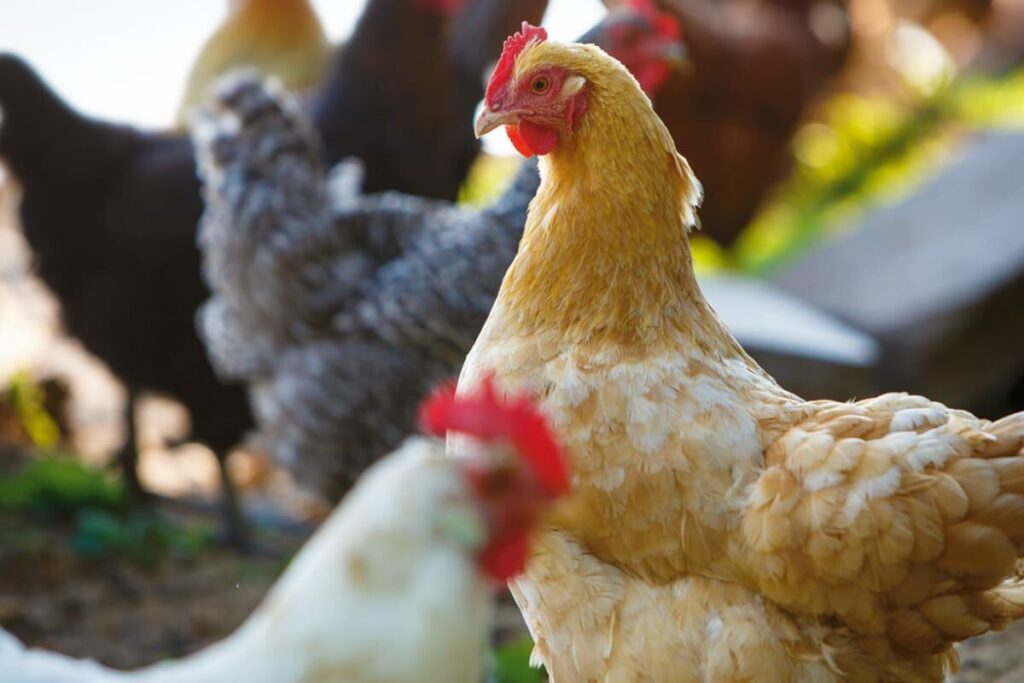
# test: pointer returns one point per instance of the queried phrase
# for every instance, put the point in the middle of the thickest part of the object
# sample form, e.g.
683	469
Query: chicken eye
540	85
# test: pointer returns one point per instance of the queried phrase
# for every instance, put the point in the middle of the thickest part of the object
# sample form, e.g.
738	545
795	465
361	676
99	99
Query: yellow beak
489	120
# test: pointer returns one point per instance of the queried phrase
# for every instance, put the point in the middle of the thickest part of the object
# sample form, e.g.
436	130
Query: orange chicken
283	38
720	527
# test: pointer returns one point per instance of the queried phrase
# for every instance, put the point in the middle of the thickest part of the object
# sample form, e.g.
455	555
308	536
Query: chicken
720	528
403	93
341	311
110	215
111	212
282	37
394	586
758	66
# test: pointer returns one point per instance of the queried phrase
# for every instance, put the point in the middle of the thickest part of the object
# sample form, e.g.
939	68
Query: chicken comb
485	415
510	51
665	23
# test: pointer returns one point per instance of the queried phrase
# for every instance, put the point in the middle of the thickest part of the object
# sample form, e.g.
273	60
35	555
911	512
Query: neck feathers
604	256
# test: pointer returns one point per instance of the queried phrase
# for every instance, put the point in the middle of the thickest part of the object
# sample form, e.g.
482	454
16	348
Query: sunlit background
136	72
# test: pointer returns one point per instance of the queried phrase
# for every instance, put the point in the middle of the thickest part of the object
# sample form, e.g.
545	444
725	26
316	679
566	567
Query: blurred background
862	231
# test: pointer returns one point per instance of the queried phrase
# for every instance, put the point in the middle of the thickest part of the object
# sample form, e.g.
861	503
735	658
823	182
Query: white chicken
395	586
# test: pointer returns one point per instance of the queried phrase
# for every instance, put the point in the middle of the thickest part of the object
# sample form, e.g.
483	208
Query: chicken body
387	590
340	311
721	528
111	223
284	38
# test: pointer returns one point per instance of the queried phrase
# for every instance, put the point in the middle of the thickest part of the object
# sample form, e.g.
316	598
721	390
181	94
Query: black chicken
111	224
341	311
403	94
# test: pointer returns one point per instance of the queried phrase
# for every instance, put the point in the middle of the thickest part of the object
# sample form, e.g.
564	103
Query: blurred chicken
402	95
341	311
720	527
283	38
393	587
757	66
111	212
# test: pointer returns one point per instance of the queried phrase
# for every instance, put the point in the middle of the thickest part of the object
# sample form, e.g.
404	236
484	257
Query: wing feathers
897	515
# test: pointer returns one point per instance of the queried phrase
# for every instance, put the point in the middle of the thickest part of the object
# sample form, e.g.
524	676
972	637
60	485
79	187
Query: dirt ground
112	609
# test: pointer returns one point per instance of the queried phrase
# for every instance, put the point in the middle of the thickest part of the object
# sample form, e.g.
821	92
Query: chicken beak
489	120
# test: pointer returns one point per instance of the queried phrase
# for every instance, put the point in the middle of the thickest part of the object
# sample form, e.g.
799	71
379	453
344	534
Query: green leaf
60	485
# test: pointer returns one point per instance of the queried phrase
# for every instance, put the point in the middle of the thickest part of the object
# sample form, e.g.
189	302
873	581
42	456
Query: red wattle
529	138
541	139
503	558
517	140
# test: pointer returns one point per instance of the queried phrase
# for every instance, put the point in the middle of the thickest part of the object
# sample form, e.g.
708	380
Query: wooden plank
808	351
938	279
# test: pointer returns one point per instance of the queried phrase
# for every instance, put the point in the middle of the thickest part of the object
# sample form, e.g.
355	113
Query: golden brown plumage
721	528
283	38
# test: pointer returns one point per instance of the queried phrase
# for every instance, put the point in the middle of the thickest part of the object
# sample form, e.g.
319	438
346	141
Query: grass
104	523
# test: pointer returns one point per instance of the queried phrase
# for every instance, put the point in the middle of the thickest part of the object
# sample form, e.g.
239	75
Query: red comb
514	45
488	417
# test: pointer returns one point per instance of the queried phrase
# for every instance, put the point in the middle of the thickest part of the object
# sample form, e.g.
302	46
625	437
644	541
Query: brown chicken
757	66
720	528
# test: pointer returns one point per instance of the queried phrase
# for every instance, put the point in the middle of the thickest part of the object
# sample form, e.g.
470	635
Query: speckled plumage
340	311
721	528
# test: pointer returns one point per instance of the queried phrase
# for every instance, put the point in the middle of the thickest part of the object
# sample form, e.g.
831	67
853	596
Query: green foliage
104	524
992	102
59	485
511	663
143	536
30	405
866	152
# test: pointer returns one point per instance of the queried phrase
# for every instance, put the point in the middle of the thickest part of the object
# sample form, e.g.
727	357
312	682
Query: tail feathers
267	234
251	124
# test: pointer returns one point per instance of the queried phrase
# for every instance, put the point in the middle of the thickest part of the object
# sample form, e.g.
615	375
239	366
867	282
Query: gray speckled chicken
340	310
